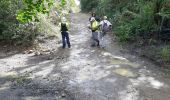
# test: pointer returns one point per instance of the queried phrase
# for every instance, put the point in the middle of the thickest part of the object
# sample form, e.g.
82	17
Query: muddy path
80	73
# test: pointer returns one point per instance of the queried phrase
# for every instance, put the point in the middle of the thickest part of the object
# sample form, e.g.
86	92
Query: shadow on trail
41	79
82	73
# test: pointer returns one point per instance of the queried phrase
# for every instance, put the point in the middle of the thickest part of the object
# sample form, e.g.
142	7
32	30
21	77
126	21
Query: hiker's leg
63	39
98	42
101	38
96	38
93	39
68	39
104	39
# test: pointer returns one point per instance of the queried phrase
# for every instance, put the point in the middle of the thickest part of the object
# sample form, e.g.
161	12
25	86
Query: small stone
37	53
30	51
63	95
25	52
49	58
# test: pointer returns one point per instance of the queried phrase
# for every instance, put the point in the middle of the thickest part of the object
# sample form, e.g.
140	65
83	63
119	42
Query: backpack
105	26
64	27
94	25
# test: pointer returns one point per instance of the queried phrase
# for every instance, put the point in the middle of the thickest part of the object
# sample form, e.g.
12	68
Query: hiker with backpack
93	14
105	27
94	28
64	33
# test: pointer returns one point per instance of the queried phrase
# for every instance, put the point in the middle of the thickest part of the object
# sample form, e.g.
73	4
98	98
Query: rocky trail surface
80	73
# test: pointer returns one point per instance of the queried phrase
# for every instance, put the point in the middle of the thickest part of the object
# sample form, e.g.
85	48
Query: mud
82	72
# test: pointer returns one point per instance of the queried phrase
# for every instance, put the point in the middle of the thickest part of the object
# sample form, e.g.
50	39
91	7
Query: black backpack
64	27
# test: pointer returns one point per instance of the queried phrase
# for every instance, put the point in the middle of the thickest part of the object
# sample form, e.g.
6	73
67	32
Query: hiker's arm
110	26
99	27
89	26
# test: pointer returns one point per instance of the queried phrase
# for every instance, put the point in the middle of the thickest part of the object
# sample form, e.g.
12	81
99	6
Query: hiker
93	15
64	33
105	27
94	27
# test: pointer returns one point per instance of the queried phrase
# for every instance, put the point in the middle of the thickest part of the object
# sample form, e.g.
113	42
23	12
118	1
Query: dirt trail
81	73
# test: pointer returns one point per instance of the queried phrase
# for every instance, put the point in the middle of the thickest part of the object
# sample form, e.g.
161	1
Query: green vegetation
13	14
21	19
32	7
132	18
165	54
8	22
140	22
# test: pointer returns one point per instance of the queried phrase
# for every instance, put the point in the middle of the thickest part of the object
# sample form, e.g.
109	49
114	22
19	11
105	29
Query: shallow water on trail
81	72
109	74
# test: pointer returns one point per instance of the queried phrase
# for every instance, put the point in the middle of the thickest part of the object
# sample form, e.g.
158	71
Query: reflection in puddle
6	74
124	62
125	72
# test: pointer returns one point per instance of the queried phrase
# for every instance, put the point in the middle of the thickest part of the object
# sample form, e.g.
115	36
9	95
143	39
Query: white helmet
92	19
63	19
105	17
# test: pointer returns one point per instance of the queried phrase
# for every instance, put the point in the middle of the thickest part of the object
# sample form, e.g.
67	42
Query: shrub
11	31
165	54
133	18
88	5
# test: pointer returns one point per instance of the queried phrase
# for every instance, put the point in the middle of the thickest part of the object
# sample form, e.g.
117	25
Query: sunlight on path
125	72
77	2
82	72
97	74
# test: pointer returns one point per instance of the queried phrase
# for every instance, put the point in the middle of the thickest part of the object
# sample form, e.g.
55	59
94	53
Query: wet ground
81	73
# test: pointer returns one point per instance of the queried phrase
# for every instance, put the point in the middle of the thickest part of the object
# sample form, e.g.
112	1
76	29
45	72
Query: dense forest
146	22
143	21
56	50
22	20
134	17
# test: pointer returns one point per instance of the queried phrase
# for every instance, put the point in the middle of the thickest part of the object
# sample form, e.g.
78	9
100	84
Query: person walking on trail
94	27
105	27
93	15
64	33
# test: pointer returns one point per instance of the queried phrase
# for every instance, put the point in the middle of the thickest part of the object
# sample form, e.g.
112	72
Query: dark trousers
95	38
65	39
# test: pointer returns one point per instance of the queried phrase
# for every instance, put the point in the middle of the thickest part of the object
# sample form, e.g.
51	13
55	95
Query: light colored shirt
105	21
102	24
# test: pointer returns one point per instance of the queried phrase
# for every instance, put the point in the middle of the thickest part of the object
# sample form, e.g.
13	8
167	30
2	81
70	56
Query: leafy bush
87	5
165	54
133	18
18	19
8	22
31	7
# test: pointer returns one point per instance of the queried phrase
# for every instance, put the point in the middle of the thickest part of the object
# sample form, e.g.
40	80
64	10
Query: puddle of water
125	72
7	74
125	62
